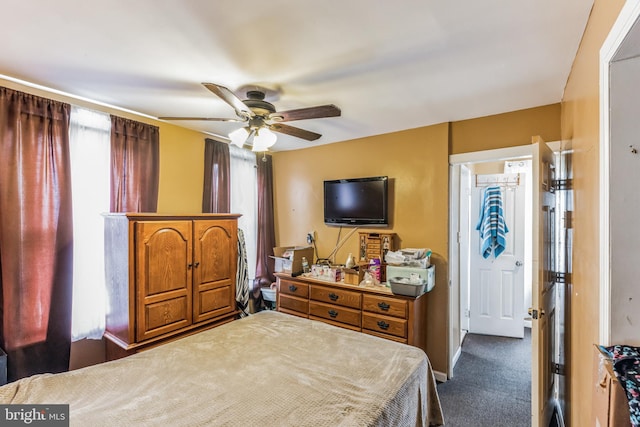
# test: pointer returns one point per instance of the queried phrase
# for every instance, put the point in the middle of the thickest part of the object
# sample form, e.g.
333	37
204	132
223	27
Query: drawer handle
333	313
333	296
293	288
383	325
383	306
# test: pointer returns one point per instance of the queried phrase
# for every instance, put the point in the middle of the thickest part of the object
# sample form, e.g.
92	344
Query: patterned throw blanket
626	365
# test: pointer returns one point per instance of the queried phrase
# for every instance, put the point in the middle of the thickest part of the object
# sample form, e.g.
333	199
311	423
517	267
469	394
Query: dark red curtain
216	197
135	158
36	234
266	228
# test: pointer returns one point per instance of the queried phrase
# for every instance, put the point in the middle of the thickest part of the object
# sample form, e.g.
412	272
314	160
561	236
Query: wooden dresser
374	311
167	276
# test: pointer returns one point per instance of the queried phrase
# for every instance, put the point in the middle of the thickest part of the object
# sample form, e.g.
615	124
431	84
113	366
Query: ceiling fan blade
230	98
318	112
204	119
293	131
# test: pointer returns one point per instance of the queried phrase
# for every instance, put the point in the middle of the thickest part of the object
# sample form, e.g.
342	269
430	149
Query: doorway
544	244
496	283
470	174
619	201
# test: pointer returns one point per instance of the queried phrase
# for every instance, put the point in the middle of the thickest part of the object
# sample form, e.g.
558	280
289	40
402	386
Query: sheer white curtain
89	138
244	200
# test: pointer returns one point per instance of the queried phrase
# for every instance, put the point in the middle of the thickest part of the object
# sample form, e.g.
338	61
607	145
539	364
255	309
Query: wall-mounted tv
356	201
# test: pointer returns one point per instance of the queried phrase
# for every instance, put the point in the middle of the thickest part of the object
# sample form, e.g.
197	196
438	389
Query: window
244	200
89	139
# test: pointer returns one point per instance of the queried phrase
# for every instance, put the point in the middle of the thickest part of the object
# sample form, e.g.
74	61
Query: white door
497	284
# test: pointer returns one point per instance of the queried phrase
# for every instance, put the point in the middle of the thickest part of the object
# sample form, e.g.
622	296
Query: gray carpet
491	384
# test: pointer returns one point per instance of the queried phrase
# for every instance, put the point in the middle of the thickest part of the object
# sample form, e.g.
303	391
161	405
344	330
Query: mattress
269	369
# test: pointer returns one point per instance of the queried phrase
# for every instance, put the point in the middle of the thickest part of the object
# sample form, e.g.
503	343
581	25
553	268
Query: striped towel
491	224
242	277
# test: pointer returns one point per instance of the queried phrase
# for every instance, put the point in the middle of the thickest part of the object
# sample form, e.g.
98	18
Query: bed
269	369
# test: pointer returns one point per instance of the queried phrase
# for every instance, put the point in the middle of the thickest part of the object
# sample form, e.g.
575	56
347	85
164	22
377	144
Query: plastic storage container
402	286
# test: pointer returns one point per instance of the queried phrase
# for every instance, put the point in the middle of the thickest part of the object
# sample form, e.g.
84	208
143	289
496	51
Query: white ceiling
388	65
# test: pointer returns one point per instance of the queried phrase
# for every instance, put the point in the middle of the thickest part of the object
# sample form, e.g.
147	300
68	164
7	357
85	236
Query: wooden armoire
167	276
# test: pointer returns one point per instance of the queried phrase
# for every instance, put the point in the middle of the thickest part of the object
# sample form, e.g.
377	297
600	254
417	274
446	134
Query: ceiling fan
262	118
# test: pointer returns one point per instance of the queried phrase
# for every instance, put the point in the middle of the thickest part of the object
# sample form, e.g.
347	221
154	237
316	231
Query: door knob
518	263
535	314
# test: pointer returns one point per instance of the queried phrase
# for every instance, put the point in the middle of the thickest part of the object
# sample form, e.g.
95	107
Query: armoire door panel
165	316
164	256
164	277
211	237
215	301
215	257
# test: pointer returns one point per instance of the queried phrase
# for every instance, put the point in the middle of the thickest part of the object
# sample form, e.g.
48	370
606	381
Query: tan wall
506	130
181	170
416	161
580	128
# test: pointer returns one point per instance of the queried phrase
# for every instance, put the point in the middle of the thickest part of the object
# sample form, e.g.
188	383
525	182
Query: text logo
34	415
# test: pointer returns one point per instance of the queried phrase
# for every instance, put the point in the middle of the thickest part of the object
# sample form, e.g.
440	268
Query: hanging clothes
242	277
491	224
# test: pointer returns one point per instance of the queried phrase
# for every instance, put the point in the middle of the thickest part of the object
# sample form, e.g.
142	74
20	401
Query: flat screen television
356	201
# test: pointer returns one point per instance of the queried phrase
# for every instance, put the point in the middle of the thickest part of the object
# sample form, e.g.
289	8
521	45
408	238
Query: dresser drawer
336	296
385	324
296	304
385	336
383	305
335	313
291	287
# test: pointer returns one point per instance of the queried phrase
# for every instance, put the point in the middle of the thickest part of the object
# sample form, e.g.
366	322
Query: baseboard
463	334
440	376
455	358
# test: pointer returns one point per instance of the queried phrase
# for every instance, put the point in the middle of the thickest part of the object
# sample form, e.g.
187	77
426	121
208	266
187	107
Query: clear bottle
305	265
350	263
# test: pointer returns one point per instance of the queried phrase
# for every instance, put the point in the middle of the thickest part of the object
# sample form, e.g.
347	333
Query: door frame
628	16
454	336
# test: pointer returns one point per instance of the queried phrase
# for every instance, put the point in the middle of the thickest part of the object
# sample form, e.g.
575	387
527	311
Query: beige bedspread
270	369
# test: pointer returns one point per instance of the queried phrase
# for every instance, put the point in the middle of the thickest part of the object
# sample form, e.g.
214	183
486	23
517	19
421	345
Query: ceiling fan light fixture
263	139
239	136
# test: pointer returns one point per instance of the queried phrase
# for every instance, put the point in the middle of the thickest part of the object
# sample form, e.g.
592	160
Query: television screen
356	201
